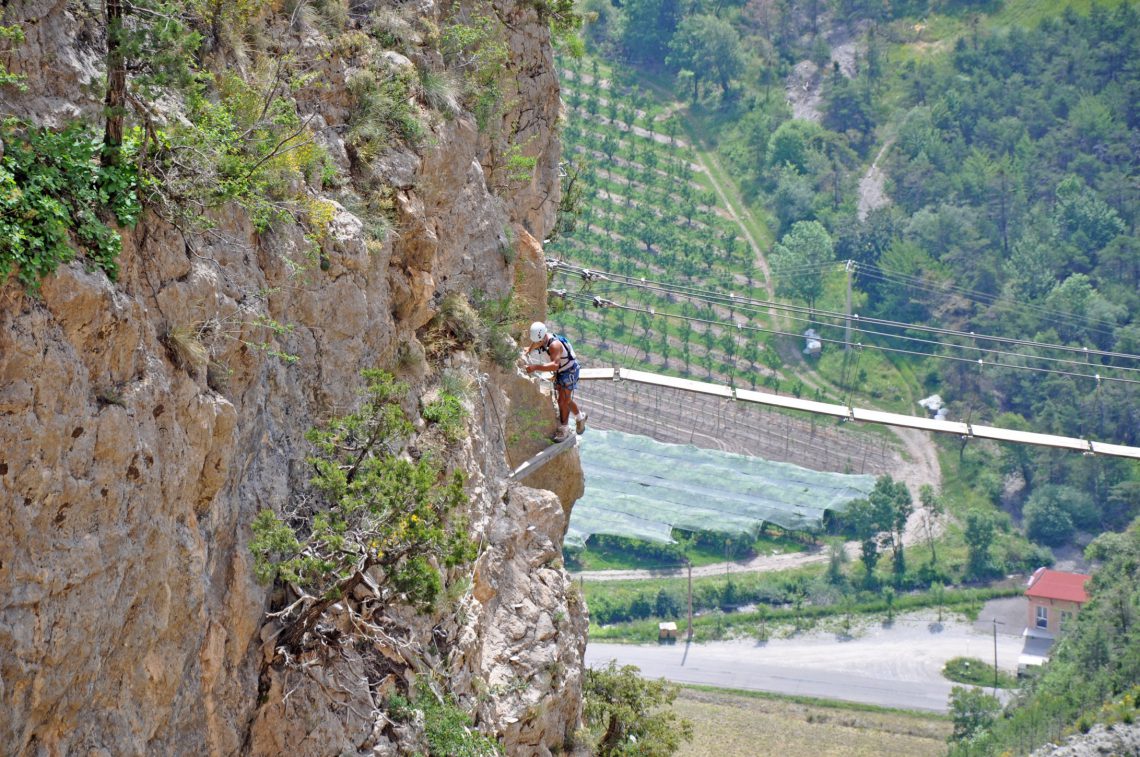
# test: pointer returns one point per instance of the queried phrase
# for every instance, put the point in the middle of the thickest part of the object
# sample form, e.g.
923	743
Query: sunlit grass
1029	13
733	723
869	374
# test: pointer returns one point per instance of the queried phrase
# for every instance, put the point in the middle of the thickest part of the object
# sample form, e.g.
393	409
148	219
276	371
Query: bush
382	114
372	507
449	414
1046	521
242	143
624	709
447	728
972	711
54	197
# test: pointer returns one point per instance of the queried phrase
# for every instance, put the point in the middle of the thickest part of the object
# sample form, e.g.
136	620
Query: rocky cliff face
144	422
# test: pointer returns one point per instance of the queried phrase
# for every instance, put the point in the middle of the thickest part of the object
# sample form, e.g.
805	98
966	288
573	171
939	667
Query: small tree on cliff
370	509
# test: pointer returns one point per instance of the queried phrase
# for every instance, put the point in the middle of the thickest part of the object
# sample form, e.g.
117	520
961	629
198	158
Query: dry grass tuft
186	348
456	325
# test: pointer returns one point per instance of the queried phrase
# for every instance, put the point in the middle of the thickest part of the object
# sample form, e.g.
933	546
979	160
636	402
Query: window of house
1066	618
1042	617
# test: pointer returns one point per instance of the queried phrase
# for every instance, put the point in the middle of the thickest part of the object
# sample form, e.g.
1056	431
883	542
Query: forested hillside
1014	214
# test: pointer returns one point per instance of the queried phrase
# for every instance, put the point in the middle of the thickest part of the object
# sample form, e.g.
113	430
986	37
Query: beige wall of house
1050	615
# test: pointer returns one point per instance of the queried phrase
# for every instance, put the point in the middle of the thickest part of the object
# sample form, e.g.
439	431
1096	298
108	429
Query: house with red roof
1055	597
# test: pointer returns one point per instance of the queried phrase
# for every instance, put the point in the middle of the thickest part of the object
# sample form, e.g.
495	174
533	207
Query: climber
566	369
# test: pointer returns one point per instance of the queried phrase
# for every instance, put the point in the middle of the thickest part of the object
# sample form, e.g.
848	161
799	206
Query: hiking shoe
562	434
580	423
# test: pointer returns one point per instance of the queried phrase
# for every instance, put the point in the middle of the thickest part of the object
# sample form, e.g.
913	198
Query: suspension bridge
850	413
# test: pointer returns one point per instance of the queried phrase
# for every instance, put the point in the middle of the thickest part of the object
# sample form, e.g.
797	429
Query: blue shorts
568	378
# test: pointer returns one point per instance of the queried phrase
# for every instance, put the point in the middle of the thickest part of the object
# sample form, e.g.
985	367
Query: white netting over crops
642	488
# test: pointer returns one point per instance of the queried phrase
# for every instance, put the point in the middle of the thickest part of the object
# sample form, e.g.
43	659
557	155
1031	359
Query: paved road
892	667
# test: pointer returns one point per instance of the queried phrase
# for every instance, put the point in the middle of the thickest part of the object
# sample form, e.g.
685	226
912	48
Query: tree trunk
292	636
114	104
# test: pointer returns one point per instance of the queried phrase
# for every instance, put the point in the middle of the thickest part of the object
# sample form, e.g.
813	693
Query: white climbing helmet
537	331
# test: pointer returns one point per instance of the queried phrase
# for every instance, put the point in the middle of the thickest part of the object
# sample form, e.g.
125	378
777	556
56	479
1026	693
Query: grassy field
740	724
765	621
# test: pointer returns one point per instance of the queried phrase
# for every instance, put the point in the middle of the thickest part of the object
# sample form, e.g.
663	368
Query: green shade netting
641	488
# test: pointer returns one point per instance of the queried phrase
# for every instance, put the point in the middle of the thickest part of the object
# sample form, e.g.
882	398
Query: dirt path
922	468
758	564
708	163
872	187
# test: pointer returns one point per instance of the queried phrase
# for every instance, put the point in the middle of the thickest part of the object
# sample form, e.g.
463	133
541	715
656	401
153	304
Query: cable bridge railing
961	429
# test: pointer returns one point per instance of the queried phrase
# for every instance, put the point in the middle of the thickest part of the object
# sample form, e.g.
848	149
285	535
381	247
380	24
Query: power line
935	342
742	303
783	270
586	299
904	337
983	298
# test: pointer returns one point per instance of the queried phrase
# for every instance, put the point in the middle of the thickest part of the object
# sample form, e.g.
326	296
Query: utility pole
847	331
996	623
726	578
689	563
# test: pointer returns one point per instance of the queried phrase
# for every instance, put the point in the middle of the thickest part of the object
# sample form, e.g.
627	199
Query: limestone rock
59	58
563	476
144	423
530	279
531	657
531	418
335	699
1116	739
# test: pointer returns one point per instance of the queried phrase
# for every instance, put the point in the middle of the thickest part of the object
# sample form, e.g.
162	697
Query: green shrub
382	113
373	508
975	671
439	91
497	316
471	40
623	709
55	197
449	414
456	382
238	144
972	710
447	728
